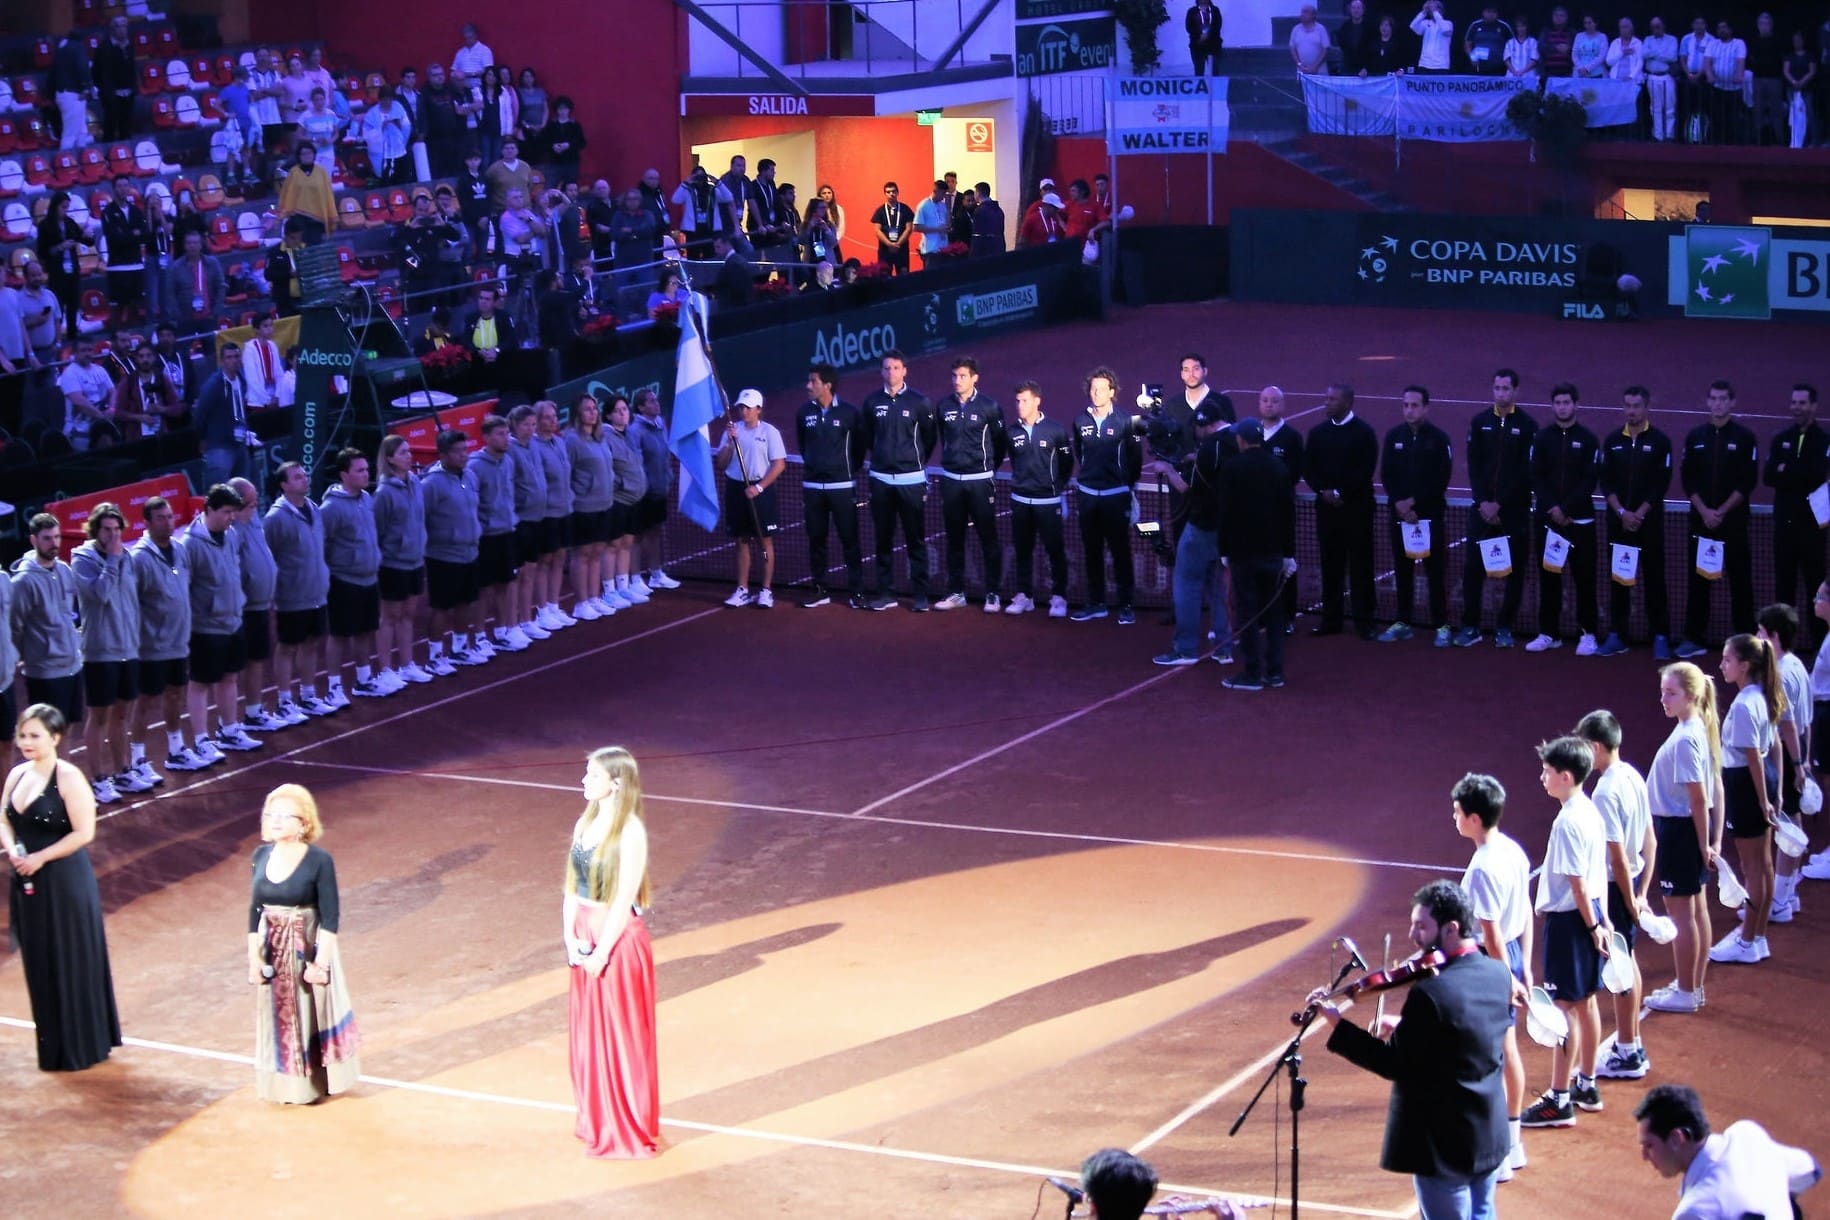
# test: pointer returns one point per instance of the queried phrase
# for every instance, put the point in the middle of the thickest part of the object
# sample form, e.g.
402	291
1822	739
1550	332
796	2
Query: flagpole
701	324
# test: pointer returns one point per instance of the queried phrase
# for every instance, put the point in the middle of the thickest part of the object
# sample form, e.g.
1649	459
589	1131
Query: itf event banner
1165	114
1610	103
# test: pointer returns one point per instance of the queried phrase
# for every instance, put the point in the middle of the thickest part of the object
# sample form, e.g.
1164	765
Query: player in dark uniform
900	422
971	449
1110	456
1499	470
831	436
1721	467
1635	475
1041	459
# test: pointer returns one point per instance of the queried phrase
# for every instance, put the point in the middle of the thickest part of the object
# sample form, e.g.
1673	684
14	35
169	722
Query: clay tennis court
945	903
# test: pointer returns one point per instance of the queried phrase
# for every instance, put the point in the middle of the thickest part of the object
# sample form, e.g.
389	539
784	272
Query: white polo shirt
1578	847
1499	881
1620	796
1743	1171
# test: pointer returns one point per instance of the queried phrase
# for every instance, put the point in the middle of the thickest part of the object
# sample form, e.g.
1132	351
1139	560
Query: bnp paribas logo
1726	269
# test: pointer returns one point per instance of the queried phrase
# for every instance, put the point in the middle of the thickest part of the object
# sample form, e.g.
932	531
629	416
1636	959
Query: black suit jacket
1198	38
1445	1060
736	283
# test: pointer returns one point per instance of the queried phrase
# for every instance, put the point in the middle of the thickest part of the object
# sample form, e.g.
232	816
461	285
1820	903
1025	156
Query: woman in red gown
615	1077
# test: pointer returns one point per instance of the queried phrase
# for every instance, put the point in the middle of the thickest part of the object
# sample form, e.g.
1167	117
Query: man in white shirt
1576	932
1694	50
1498	882
468	62
1437	33
1625	62
261	366
1726	72
1620	795
1521	52
1658	53
1728	1176
1309	43
87	388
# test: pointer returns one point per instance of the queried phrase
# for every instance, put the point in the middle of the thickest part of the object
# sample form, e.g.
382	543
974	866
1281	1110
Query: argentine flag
698	404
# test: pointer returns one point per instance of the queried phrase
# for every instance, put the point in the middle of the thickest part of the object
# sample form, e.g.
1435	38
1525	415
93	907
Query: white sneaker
336	697
1586	646
144	770
586	612
260	720
519	640
604	608
441	666
1057	607
1505	1172
234	737
186	759
615	599
765	599
1672	998
953	601
633	593
1732	948
1517	1158
370	690
563	619
292	713
1761	949
1022	603
461	657
739	598
534	631
510	640
130	781
1544	643
639	586
1816	869
390	681
992	604
414	672
208	750
658	579
483	646
105	793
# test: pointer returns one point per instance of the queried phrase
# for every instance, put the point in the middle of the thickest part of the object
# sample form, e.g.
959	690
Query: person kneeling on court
1118	1186
751	458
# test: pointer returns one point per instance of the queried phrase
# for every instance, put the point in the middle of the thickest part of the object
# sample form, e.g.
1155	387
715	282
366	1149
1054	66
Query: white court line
886	820
1017	741
412	711
1244	1075
751	1133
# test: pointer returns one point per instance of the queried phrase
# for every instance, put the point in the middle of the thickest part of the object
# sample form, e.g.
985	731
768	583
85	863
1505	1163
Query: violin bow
1385	963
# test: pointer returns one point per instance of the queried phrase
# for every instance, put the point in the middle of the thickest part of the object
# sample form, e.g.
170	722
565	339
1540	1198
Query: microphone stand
1292	1062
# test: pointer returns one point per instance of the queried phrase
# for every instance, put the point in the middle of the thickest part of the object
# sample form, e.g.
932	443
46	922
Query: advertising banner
1456	109
1162	114
1748	271
1052	47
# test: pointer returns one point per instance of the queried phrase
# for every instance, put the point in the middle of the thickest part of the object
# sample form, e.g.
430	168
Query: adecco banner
1748	271
1515	264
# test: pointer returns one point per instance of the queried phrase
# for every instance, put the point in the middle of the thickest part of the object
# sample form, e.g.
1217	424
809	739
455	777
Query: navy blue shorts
1746	819
1680	857
1515	958
1572	964
1623	915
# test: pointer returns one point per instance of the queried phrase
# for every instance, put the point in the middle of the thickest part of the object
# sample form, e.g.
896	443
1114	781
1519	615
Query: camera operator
1109	450
705	207
421	239
1195	480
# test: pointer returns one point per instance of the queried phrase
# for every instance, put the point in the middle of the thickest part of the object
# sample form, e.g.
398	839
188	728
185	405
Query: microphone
1074	1193
1353	951
19	853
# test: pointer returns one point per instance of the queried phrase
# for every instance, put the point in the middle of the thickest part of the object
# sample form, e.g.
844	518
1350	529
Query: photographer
421	239
705	209
1196	480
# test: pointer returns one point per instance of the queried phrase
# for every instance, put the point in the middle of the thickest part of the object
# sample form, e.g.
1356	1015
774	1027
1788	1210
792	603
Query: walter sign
1053	47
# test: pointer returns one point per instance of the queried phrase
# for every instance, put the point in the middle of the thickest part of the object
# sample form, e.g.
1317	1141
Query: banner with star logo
1726	270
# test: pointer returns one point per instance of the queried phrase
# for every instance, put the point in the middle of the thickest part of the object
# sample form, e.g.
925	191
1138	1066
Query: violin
1423	965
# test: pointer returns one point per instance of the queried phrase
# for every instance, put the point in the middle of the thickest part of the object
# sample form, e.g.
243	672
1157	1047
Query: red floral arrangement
874	271
775	287
601	326
958	249
667	313
451	359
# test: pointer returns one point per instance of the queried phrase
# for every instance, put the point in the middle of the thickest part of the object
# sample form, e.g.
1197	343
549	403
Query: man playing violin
1444	1056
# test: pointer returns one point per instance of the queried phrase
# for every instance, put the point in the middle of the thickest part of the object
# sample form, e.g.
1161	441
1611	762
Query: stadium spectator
987	223
59	244
306	195
264	96
535	106
893	221
386	128
220	417
507	174
499	116
1044	225
117	81
1725	70
261	365
1437	35
1766	57
705	207
1203	24
470	59
735	286
1355	36
1626	55
145	403
1521	52
1659	58
1309	42
1484	42
488	331
87	389
295	92
440	122
1589	51
71	84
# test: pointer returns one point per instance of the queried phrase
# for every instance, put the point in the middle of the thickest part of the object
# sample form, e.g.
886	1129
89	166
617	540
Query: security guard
1415	467
1286	444
1635	475
1499	470
1041	459
1798	466
1111	456
972	447
1564	467
1721	468
830	433
1342	455
900	422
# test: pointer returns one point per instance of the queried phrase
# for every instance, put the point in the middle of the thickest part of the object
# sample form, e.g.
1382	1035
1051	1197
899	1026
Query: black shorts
1746	819
64	694
589	528
620	516
650	513
555	535
106	683
737	518
1572	964
530	541
9	711
1820	714
496	560
301	626
450	586
157	677
1623	915
1680	857
215	657
354	609
401	584
257	634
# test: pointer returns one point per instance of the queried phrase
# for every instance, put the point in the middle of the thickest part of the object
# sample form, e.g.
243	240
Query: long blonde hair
626	802
1702	694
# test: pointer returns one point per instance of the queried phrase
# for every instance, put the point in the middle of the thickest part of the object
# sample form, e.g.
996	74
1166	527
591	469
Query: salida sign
1066	46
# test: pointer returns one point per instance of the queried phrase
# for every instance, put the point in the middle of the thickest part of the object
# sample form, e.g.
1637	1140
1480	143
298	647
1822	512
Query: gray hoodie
9	651
111	606
495	478
165	599
296	537
45	606
551	450
657	460
452	524
593	484
400	523
259	573
351	551
626	462
530	481
216	596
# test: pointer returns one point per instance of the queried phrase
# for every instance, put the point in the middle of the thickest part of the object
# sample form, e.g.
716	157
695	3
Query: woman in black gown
56	907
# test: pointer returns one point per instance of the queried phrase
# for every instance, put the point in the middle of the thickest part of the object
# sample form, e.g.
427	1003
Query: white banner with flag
1610	103
1165	114
1456	109
1351	105
698	405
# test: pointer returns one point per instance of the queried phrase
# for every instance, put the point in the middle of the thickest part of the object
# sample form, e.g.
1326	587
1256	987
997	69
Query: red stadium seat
400	205
349	213
120	160
203	72
223	235
95	309
375	207
164	114
142	42
209	192
33	134
42	50
26	94
92	165
99	198
346	264
9	136
167	40
372	86
38	170
152	77
225	71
